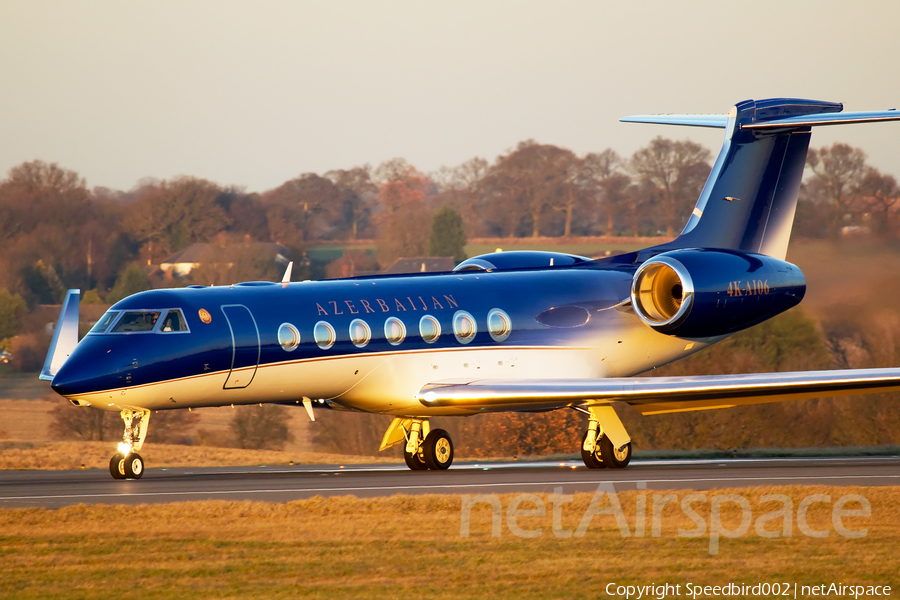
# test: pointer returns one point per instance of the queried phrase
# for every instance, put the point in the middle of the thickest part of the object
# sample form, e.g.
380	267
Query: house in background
194	256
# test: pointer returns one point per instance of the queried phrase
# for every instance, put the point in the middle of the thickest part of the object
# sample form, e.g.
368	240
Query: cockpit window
174	321
104	322
136	321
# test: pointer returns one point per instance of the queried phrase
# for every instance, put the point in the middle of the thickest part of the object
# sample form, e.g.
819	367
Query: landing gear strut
127	463
605	444
424	448
592	458
412	452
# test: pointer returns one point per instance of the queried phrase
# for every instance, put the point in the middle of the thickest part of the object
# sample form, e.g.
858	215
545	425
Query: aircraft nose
83	373
69	379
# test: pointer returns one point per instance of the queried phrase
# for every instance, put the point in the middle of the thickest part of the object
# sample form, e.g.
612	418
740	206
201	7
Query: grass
95	455
19	456
22	385
410	546
590	249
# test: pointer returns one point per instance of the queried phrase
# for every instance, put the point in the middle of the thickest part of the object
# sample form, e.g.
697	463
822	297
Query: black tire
117	466
134	466
414	462
437	450
612	458
591	460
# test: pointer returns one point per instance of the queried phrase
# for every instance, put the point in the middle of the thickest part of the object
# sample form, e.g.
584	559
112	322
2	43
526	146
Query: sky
253	94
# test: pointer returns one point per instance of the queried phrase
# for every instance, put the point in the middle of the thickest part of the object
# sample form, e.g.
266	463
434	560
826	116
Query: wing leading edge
654	395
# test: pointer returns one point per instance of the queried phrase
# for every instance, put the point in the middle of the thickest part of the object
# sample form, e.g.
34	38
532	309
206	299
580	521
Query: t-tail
749	200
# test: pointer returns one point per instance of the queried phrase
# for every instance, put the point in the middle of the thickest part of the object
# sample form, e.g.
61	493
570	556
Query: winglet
287	275
65	336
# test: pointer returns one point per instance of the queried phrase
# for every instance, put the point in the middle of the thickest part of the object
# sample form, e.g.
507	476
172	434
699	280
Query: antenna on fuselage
287	275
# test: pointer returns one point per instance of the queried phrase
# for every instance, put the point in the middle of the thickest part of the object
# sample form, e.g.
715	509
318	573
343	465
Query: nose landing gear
130	466
127	463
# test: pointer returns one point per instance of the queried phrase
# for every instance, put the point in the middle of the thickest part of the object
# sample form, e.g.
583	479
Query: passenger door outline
242	353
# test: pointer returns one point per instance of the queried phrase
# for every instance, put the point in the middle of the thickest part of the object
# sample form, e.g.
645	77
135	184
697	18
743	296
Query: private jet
510	331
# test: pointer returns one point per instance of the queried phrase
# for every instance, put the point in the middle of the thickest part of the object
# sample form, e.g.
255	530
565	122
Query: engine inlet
662	292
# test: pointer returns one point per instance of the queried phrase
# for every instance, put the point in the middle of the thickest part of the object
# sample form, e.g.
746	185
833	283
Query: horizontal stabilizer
652	395
719	121
65	336
871	116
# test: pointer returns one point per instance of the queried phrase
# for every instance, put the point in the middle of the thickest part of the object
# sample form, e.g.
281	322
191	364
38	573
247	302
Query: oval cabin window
324	334
288	337
429	329
499	325
360	334
464	327
394	331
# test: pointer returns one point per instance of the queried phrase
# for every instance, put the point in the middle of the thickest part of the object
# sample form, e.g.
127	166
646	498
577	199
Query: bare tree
88	424
838	172
460	187
303	209
359	193
527	182
879	196
175	213
668	165
604	180
405	224
260	427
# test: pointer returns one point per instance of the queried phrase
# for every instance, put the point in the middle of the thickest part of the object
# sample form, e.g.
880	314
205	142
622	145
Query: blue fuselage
372	343
115	365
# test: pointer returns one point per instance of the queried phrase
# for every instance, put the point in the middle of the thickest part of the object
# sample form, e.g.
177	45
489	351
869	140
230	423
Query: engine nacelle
699	293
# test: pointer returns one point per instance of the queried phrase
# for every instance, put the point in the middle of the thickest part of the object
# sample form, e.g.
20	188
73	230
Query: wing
654	395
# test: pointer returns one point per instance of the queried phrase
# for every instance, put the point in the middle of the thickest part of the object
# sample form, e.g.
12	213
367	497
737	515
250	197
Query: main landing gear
605	444
425	448
127	463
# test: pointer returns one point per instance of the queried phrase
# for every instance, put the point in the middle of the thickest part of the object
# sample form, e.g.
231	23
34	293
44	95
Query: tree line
56	233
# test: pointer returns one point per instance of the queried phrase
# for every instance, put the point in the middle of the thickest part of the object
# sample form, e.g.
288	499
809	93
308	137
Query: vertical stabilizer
749	200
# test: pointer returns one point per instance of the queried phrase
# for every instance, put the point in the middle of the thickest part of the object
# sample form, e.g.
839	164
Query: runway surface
53	489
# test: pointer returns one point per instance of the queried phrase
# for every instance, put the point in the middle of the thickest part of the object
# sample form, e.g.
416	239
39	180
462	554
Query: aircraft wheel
438	450
134	466
117	466
612	458
592	460
414	461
